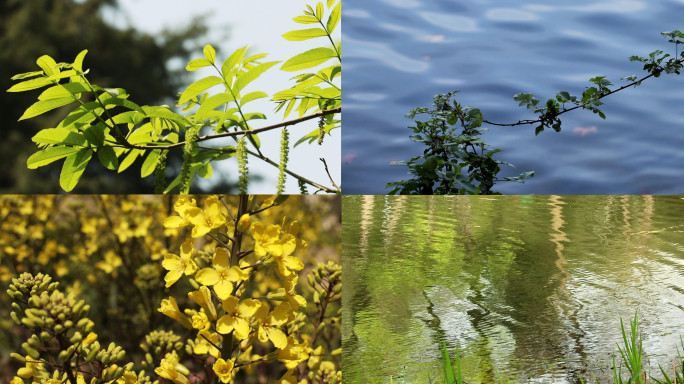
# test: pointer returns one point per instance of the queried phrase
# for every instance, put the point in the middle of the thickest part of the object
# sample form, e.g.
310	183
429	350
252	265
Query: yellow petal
172	277
257	230
237	274
221	258
174	222
171	262
241	328
224	325
230	304
293	263
289	244
279	316
187	249
249	307
223	289
278	338
207	276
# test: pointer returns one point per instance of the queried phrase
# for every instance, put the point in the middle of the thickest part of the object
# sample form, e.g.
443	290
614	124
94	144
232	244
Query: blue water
400	53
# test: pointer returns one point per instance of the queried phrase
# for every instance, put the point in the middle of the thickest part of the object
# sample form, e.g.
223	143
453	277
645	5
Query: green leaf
95	134
63	90
205	171
603	116
108	158
334	18
313	135
330	3
252	96
198	87
319	10
254	116
43	106
30	84
130	159
46	63
48	155
165	113
73	168
59	136
150	163
123	103
197	64
309	59
210	53
254	58
62	75
212	103
305	20
250	76
78	62
234	59
26	75
304	34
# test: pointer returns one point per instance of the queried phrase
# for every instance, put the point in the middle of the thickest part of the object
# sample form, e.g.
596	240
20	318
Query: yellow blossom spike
177	266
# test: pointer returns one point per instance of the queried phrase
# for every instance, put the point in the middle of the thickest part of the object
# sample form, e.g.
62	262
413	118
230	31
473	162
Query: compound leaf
73	168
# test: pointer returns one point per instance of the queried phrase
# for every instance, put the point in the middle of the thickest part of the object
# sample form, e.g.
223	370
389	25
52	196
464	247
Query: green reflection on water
532	285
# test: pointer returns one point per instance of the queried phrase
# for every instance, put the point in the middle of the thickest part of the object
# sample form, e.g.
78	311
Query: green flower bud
338	288
95	345
18	357
76	338
78	306
84	311
59	328
148	358
111	347
144	347
317	276
188	349
89	327
34	342
129	366
178	346
311	375
63	356
30	351
108	375
15	318
82	323
169	346
119	372
143	364
322	295
105	360
157	351
120	355
320	327
339	312
53	286
16	307
68	324
61	317
49	321
91	355
335	276
316	298
28	322
11	295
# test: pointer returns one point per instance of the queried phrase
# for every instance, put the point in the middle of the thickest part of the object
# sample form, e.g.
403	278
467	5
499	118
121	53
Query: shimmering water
531	286
400	53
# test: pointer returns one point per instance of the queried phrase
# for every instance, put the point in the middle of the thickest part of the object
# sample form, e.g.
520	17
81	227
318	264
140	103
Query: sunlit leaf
212	103
108	158
233	60
210	53
309	59
47	63
305	20
63	90
59	136
197	64
43	106
252	96
27	75
150	163
130	159
73	168
30	84
334	18
319	10
78	62
48	155
198	87
304	34
95	134
250	76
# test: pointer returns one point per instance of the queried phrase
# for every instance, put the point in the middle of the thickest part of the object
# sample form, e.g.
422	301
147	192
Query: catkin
284	151
188	150
242	166
321	130
160	173
302	188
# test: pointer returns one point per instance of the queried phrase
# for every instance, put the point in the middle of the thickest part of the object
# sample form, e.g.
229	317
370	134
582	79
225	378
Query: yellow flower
293	353
222	275
17	380
284	260
268	324
288	378
89	339
315	358
236	316
202	346
243	223
34	368
266	239
177	266
170	309
224	370
200	321
181	206
167	370
207	219
127	378
110	263
202	297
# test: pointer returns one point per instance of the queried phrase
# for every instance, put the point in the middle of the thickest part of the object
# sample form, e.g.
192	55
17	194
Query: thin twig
248	132
330	177
320	187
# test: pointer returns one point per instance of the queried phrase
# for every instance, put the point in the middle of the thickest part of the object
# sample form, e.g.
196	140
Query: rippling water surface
402	52
531	286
